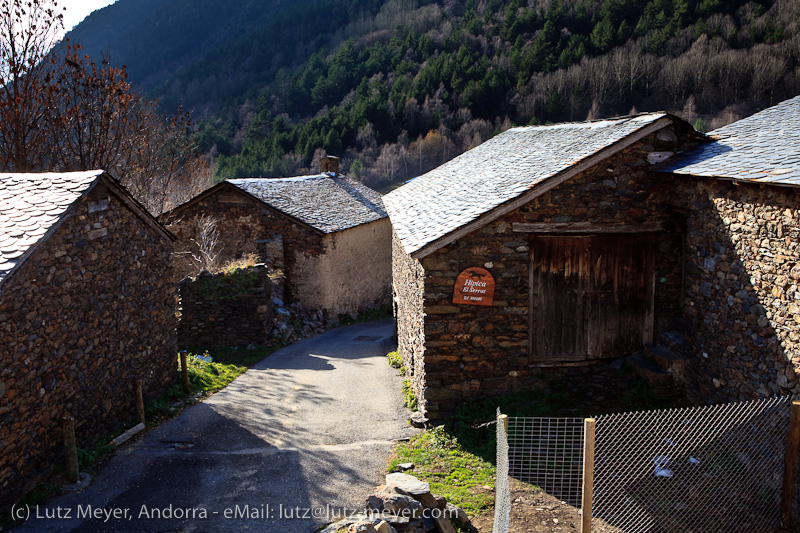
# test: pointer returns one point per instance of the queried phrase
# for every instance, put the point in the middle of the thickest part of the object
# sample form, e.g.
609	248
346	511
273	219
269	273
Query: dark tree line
398	98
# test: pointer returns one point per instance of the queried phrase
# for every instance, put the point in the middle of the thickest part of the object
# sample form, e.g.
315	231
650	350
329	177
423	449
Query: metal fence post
588	475
789	467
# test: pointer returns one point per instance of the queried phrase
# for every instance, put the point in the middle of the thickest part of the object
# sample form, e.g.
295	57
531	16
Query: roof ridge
321	201
617	119
349	186
486	181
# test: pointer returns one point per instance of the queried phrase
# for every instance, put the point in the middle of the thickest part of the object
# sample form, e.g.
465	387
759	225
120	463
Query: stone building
740	197
558	246
87	306
328	234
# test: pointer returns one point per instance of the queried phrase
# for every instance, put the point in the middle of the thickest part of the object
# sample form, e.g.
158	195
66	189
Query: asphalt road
286	447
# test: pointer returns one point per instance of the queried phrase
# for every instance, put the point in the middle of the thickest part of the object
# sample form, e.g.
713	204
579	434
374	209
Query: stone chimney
329	163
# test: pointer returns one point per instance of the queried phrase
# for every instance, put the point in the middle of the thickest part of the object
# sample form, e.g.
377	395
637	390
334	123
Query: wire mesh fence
548	453
700	469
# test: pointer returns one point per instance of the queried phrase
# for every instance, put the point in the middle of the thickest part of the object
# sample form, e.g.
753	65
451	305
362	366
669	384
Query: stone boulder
412	486
375	501
403	505
408	483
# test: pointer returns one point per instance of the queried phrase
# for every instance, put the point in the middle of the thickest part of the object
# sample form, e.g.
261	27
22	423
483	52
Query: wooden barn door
591	296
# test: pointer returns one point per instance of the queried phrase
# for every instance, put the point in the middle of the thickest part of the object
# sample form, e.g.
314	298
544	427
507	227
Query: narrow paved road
285	447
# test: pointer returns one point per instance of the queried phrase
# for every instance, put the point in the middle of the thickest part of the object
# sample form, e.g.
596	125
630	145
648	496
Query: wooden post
789	468
184	373
588	475
504	418
70	449
137	388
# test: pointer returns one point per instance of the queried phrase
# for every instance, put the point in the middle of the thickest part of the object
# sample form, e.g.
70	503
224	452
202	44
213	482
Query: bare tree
91	107
28	31
207	255
388	162
61	111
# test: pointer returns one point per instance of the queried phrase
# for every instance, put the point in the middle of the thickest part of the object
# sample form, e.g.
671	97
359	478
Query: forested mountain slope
398	87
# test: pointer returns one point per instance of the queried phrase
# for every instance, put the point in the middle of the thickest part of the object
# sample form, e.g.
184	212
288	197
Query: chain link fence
705	469
699	469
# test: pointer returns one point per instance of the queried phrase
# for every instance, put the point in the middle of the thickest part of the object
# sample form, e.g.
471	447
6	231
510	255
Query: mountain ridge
397	87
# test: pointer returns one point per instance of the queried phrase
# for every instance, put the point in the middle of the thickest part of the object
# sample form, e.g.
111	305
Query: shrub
409	398
246	261
396	361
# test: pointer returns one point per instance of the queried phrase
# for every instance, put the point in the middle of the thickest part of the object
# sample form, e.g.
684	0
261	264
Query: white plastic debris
694	461
206	358
663	472
660	460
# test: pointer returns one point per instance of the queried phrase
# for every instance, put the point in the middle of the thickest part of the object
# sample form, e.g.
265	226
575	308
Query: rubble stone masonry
742	302
233	308
409	294
89	312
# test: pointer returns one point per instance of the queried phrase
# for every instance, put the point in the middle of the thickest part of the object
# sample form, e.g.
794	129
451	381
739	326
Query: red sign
474	286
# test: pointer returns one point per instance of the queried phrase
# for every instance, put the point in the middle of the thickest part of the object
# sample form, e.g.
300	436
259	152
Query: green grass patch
236	355
211	376
39	495
452	471
482	441
409	397
458	459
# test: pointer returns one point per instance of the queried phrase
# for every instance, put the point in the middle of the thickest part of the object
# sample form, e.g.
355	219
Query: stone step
663	384
675	341
666	358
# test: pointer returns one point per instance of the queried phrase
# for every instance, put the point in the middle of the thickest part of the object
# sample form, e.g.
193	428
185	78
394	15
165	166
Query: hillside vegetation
396	88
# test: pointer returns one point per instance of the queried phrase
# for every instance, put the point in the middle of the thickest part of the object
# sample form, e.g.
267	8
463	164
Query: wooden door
591	296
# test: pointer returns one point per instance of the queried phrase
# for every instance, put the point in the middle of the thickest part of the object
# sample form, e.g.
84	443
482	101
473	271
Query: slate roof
764	148
512	163
324	202
32	204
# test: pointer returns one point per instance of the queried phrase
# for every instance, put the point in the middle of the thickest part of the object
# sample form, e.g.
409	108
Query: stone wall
742	302
245	226
408	287
471	352
89	312
352	275
227	308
